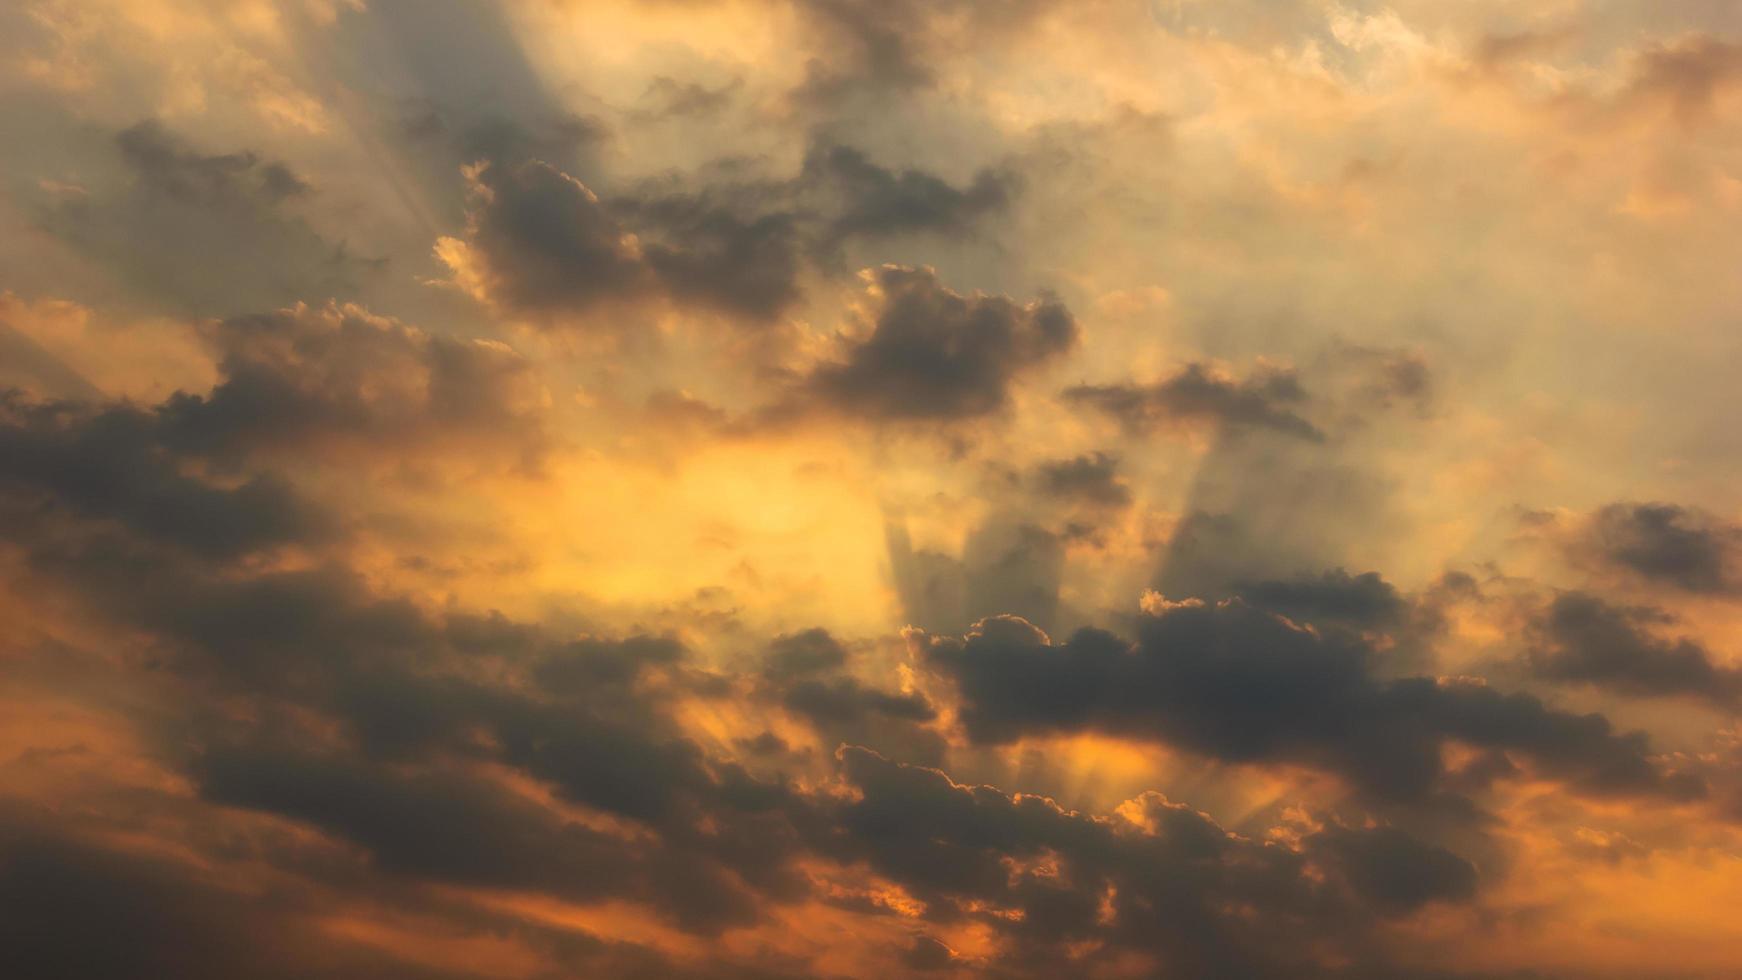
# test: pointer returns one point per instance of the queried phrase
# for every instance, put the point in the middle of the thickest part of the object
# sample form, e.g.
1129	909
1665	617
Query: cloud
1200	394
1361	601
1231	682
73	909
164	164
322	378
227	236
1583	639
1686	74
1158	878
1665	544
1092	479
342	638
931	354
541	241
114	465
875	201
801	654
736	260
1395	872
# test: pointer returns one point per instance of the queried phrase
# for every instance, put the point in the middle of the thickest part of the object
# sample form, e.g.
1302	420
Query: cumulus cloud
539	241
1231	682
528	602
928	353
338	375
1158	879
1364	600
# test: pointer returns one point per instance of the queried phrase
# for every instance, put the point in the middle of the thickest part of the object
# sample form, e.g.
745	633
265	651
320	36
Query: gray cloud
1234	683
933	354
1583	639
1333	597
1092	479
1196	395
875	201
225	230
1666	544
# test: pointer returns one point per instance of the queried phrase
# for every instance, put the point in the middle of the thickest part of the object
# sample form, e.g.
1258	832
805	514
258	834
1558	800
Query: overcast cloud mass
538	489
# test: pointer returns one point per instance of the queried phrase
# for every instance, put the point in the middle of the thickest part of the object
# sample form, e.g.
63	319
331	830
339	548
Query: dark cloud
846	700
1161	880
1362	601
933	354
112	466
736	260
166	165
541	241
202	473
1232	682
808	675
226	233
874	201
499	139
74	910
1199	394
1395	872
1582	639
812	651
409	716
1666	544
1091	479
387	727
546	243
305	378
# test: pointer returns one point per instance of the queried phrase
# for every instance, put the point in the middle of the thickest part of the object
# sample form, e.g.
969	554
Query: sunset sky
697	489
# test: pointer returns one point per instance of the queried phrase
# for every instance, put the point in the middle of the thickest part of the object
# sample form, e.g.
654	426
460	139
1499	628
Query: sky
870	488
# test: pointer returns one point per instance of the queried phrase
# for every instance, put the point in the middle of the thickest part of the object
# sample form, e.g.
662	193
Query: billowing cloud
843	488
929	353
540	240
1234	683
